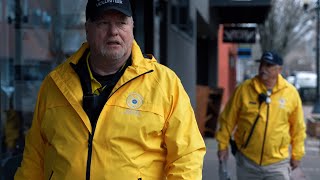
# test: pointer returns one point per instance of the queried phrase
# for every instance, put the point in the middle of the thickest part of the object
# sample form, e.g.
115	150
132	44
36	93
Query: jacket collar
261	88
68	83
139	64
137	56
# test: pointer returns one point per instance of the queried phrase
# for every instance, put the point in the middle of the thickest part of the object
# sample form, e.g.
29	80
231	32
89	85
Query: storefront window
44	38
180	16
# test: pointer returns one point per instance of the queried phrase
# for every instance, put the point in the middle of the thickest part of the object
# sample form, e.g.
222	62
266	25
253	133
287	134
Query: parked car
306	84
291	79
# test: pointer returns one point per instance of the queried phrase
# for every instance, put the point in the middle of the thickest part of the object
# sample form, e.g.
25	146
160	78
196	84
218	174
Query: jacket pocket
243	139
49	161
283	148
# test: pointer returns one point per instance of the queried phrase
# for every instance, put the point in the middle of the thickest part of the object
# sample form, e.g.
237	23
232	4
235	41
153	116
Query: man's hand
294	163
223	154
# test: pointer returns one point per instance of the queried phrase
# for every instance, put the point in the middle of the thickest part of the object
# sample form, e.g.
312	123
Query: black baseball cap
95	8
271	57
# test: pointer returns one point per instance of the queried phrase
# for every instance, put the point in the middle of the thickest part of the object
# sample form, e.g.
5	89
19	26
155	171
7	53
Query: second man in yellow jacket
265	116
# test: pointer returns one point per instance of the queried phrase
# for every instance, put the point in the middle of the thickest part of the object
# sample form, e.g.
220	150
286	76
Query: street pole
316	108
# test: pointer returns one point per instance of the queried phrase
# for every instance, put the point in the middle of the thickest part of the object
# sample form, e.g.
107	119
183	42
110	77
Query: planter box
313	128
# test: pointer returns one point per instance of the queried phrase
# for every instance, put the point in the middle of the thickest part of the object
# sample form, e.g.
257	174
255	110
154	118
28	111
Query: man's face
111	35
269	71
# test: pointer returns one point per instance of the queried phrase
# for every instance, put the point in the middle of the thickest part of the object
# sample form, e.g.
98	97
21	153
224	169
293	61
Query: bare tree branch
285	26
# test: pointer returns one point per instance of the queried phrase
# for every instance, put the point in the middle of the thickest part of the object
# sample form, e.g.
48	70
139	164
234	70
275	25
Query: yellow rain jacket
146	131
279	124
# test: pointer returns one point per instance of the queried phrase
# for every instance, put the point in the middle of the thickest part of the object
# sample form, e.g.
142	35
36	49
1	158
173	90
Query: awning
240	11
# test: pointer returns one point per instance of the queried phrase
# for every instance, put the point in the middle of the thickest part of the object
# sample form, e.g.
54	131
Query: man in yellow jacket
265	116
109	112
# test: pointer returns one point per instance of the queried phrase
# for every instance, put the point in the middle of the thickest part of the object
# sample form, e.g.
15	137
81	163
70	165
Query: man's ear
86	27
280	69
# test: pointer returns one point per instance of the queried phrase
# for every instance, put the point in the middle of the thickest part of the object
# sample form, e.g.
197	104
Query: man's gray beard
104	53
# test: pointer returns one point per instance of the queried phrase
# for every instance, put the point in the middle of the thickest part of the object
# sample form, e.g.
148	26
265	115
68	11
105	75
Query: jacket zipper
265	134
130	81
90	138
51	175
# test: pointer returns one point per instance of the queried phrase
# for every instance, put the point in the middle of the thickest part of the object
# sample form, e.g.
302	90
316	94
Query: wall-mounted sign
239	34
244	53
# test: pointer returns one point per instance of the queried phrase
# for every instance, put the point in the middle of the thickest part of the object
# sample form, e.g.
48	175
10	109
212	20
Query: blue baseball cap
95	8
272	58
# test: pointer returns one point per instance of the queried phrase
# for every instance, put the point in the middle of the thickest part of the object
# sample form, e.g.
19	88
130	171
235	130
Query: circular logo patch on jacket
134	100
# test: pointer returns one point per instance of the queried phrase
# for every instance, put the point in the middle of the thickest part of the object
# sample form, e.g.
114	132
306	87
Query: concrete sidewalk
211	163
310	163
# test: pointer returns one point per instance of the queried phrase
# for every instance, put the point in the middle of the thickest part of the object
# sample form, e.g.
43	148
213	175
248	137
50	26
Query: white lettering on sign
239	34
102	2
